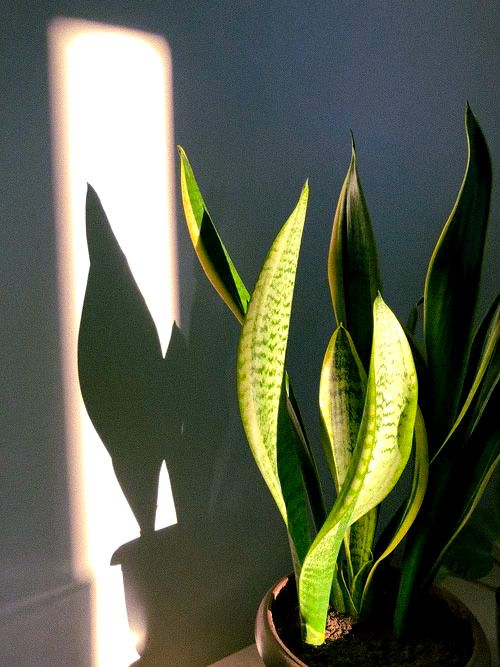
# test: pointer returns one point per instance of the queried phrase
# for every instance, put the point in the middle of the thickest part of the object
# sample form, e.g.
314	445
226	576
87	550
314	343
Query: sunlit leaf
382	450
341	401
208	245
223	275
261	371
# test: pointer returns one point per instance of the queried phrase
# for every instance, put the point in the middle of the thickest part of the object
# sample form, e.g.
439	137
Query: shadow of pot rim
136	549
275	653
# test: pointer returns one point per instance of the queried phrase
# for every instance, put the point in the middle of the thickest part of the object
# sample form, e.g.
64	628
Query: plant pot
282	597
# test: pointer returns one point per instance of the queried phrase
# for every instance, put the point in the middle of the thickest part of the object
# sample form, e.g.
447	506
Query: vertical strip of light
112	116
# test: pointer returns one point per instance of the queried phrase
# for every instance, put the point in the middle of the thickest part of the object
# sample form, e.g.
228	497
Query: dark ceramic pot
274	653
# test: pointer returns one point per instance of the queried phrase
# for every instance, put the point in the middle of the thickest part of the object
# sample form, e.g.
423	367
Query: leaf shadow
148	409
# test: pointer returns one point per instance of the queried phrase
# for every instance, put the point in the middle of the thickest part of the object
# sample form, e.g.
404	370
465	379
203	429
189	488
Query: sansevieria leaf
414	501
341	401
457	481
382	449
452	284
480	393
480	460
223	275
261	370
353	271
472	446
487	330
208	245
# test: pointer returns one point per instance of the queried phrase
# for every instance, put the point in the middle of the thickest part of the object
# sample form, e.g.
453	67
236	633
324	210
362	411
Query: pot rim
265	611
480	657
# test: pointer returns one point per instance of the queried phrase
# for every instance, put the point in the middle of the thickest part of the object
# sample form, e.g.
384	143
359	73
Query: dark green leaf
457	481
353	271
411	324
470	556
486	331
452	284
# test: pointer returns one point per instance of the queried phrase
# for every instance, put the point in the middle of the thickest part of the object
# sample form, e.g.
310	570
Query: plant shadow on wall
384	399
147	409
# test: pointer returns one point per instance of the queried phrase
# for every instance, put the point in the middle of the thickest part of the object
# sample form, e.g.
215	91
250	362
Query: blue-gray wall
265	95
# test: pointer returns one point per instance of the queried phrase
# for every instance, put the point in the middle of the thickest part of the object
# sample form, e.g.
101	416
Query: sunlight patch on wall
112	116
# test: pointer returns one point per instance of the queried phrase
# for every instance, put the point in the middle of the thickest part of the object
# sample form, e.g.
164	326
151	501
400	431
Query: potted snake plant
387	401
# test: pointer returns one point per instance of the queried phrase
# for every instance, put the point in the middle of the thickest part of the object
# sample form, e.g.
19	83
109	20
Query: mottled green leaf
223	275
360	545
381	453
341	401
261	370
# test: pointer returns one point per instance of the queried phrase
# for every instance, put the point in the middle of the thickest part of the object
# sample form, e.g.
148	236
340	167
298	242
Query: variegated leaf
381	453
261	370
341	401
223	275
208	245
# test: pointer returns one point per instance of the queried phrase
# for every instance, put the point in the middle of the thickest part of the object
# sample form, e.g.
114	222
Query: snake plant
384	398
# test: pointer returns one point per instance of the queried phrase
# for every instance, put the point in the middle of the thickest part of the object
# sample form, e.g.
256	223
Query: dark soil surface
435	639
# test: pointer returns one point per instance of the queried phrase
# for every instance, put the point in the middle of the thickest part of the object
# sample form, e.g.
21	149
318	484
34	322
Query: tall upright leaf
381	453
353	271
341	401
481	391
223	275
261	374
452	283
482	340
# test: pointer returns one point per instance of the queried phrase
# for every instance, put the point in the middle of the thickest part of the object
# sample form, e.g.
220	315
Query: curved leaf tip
208	245
452	282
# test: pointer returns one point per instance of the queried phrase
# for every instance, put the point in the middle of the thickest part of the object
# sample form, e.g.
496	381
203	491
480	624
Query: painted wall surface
265	94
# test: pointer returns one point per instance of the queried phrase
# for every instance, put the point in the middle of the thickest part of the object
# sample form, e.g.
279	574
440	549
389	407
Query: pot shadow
179	581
